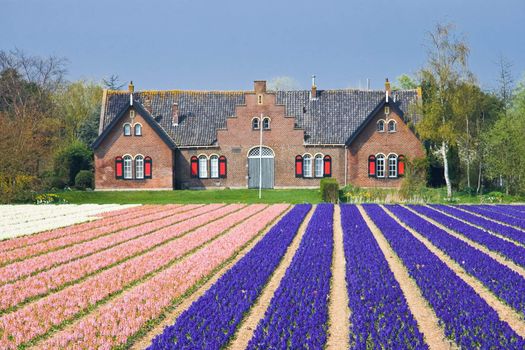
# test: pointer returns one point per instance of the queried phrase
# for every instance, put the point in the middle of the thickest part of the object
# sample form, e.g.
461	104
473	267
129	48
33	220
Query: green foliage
48	198
415	180
329	190
18	188
72	159
84	179
405	82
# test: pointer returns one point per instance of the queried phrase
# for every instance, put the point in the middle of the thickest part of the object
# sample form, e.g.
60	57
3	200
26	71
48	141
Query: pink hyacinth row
64	231
23	268
59	242
37	318
41	283
116	321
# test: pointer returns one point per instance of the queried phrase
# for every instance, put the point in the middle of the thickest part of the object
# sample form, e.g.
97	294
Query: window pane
127	129
139	167
392	166
214	167
319	166
127	168
380	168
255	123
307	166
138	130
203	167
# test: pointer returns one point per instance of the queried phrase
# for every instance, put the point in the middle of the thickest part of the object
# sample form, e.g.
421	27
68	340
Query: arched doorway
260	164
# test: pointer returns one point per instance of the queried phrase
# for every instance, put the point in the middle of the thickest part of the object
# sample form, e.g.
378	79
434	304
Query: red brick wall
238	138
149	144
370	142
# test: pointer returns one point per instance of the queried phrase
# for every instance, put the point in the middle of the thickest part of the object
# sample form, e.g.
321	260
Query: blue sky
225	45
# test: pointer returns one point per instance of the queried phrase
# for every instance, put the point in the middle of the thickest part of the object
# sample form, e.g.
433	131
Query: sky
227	44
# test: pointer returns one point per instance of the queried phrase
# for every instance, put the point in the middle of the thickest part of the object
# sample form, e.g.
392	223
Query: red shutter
401	165
298	166
148	166
194	166
327	166
119	163
372	166
222	166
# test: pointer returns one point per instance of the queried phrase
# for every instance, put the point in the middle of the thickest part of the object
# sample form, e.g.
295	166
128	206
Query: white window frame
380	165
127	167
392	122
382	123
319	165
214	166
307	165
135	129
392	165
266	120
203	166
127	129
254	126
139	166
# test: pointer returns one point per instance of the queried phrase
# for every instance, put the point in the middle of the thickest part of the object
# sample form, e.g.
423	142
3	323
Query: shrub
70	160
55	183
329	190
48	198
84	179
17	188
414	183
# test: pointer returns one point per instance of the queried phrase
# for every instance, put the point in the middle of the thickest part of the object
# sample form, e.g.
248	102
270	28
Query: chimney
259	86
131	87
387	89
175	114
313	94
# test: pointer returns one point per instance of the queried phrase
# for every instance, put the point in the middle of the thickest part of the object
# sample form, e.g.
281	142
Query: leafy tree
113	83
72	159
445	72
405	82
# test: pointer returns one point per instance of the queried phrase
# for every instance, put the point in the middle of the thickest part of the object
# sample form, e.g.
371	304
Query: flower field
214	276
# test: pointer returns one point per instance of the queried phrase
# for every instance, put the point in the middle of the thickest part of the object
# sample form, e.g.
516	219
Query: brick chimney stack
131	87
313	94
387	89
259	86
175	114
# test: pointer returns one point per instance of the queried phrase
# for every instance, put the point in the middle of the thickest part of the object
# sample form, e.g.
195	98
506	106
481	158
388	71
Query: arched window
119	171
138	129
371	166
128	167
203	167
392	165
214	167
194	165
381	125
380	165
401	165
392	126
307	165
255	123
139	167
148	168
318	165
127	129
266	123
299	166
327	166
222	167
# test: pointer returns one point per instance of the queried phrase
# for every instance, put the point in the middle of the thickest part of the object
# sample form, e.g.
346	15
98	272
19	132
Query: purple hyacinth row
505	283
503	230
380	315
466	317
509	210
518	209
298	312
509	250
211	321
481	210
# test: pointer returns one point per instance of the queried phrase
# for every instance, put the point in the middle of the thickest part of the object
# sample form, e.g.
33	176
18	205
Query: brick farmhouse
212	139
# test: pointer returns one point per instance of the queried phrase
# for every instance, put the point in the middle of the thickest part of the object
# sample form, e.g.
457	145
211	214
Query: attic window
259	99
387	110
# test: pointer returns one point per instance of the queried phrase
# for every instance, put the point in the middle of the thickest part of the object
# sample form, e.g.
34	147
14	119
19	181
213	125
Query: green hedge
329	190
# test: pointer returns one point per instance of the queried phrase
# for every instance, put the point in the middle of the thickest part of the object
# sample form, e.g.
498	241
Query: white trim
258	123
124	129
311	170
388	125
269	123
211	166
136	167
377	125
135	131
396	157
318	156
131	161
199	173
377	165
262	146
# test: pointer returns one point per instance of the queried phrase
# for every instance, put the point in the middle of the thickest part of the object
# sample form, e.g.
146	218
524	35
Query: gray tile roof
332	118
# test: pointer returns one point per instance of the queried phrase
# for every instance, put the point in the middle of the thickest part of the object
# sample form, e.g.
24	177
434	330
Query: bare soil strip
170	317
505	312
424	315
494	255
247	327
338	310
490	219
480	227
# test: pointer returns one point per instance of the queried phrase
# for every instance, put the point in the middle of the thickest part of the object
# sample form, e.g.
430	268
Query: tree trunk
444	149
479	177
468	157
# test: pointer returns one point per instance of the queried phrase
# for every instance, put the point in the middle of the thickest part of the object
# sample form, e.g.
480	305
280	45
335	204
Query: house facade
245	139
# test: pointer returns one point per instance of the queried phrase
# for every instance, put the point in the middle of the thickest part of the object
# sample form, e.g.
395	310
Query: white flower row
19	220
